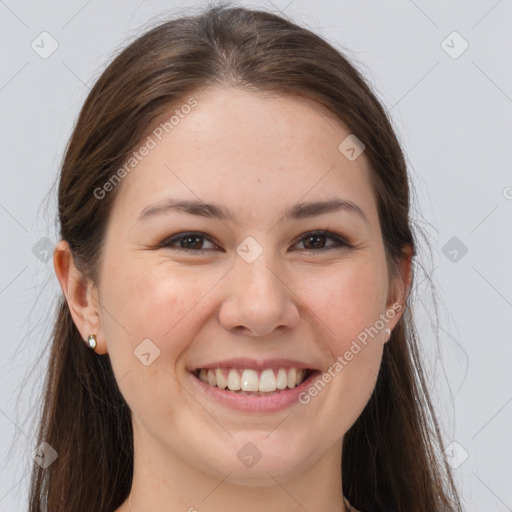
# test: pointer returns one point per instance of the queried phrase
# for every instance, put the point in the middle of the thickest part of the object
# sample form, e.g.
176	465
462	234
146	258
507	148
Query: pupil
313	237
191	237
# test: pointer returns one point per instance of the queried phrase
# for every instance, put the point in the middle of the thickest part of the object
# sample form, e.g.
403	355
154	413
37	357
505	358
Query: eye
315	241
192	241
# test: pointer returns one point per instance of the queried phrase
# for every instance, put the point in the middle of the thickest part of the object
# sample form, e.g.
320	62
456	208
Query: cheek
347	303
160	302
348	300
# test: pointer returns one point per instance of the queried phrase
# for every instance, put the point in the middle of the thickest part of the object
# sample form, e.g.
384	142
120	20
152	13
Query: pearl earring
91	342
388	334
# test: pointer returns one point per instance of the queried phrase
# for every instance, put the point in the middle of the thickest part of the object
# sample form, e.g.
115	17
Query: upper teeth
249	380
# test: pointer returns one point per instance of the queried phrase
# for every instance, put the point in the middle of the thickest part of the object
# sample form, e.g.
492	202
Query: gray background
453	115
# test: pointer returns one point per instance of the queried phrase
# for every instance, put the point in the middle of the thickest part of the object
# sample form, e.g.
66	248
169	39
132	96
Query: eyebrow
216	211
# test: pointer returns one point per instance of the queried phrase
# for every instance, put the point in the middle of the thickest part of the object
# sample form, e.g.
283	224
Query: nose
259	301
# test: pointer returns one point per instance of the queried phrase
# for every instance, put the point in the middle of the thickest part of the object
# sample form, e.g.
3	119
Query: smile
253	382
261	390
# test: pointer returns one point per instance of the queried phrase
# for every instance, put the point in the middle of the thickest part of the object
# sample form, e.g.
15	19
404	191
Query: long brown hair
392	458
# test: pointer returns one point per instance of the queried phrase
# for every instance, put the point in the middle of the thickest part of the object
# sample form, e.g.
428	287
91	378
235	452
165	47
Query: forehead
253	152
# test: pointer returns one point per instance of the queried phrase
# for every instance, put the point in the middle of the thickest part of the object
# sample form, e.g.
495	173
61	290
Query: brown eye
192	242
315	241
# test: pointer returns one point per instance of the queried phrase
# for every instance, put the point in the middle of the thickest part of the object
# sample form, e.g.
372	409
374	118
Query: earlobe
80	296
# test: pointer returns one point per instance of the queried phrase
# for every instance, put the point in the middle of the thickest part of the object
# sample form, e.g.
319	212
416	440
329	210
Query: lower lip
256	403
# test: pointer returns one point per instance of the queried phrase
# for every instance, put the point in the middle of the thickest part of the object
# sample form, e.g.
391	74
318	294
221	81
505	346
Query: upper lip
254	364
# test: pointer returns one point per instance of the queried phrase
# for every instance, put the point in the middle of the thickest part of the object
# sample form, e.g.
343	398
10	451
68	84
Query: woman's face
252	291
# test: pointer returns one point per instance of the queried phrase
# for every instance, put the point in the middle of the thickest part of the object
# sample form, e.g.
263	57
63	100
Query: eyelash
340	243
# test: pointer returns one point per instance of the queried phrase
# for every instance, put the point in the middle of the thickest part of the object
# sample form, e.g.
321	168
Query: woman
236	261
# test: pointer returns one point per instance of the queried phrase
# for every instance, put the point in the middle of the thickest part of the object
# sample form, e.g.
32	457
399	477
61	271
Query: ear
81	296
400	287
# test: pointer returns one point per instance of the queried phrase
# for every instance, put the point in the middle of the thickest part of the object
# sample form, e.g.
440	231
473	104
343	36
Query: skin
257	155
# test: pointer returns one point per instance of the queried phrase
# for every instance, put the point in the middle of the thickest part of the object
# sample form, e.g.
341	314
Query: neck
162	481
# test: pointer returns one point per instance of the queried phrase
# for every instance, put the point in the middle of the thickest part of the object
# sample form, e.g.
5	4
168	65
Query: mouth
254	382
